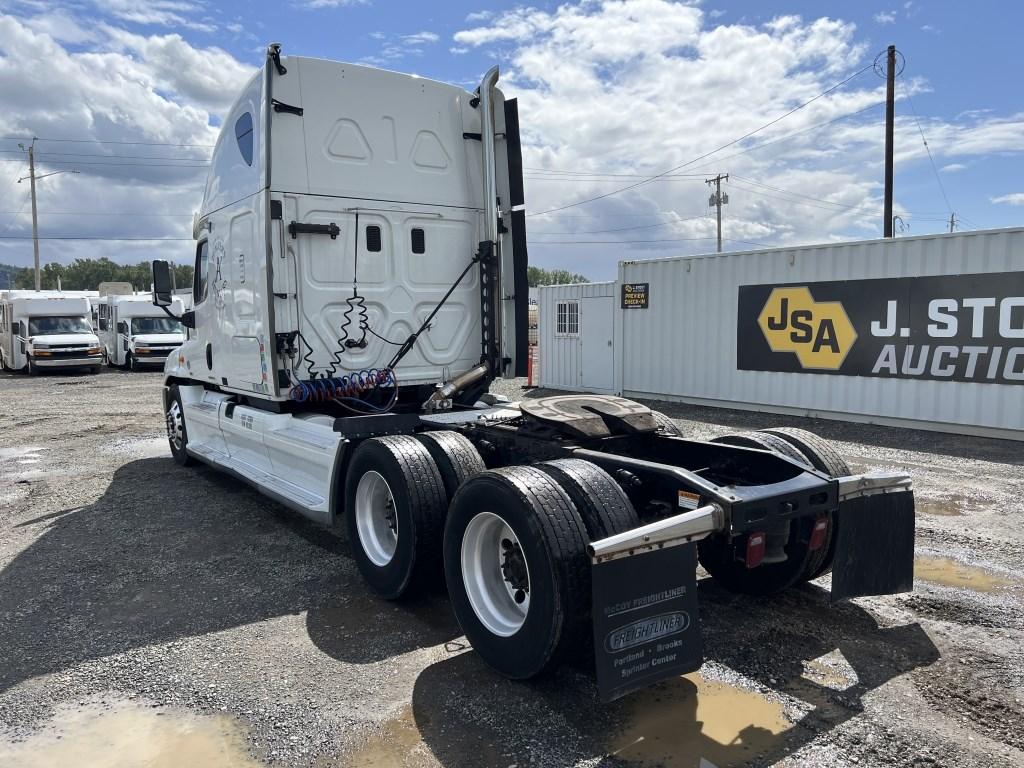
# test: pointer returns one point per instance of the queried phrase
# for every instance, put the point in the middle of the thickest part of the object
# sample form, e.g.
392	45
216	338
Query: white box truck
360	278
133	333
41	330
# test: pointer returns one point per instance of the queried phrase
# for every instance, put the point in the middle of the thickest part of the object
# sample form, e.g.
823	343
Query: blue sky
624	87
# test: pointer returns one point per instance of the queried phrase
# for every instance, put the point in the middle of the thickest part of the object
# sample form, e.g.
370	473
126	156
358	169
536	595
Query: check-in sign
945	327
635	295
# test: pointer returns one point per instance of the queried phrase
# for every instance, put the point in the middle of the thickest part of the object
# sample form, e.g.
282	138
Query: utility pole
35	217
890	117
952	221
717	200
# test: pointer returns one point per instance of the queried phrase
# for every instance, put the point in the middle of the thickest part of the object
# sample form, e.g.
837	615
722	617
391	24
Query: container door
596	330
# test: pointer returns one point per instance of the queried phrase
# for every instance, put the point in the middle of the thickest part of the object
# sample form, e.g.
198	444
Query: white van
46	329
134	333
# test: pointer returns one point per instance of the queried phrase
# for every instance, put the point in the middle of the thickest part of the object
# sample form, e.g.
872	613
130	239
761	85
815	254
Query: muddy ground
154	613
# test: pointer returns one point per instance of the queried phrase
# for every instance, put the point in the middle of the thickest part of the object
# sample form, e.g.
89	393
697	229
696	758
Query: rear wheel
666	424
394	509
3	362
602	504
518	576
456	457
820	454
725	559
177	433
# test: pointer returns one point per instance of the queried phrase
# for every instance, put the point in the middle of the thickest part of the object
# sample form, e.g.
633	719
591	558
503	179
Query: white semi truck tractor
360	279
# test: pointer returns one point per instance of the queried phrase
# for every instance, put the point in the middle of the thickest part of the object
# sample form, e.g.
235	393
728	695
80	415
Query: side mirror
122	327
163	283
188	319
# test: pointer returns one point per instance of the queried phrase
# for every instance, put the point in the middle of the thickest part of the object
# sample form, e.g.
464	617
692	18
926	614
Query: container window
243	135
419	241
567	318
373	238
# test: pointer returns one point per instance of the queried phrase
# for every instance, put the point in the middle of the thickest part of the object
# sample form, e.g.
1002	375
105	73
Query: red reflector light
755	549
818	533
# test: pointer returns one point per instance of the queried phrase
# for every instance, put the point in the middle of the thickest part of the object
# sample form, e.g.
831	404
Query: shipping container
569	358
834	331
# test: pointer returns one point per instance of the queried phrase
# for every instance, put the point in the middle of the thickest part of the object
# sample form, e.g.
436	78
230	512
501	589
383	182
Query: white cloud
316	4
885	17
421	38
636	87
953	168
1014	198
119	87
165	13
479	16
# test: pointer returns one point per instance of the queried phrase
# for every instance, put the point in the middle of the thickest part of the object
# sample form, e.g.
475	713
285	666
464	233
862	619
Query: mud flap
874	546
646	623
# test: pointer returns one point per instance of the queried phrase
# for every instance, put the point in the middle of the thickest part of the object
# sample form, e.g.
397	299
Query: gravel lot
174	615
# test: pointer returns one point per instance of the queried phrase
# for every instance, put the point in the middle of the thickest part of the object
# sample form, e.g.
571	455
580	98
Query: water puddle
691	722
130	736
143	447
950	506
393	745
952	573
23	452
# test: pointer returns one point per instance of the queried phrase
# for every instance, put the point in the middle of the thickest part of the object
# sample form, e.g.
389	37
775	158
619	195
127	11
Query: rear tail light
755	549
818	533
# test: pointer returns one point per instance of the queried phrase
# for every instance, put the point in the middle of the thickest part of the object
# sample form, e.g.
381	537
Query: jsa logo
819	333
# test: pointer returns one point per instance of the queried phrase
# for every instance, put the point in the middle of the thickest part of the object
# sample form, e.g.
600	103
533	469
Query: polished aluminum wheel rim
499	603
175	426
376	521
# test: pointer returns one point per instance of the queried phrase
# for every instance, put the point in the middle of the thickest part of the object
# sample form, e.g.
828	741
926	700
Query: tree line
87	274
539	276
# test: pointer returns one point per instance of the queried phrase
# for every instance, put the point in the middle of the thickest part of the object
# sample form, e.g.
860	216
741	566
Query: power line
720	160
114	157
630	242
624	229
708	154
927	149
17	213
104	239
597	179
552	171
745	180
107	213
126	165
104	141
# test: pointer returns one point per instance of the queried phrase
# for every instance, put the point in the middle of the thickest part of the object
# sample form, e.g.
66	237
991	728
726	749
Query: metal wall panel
684	346
561	356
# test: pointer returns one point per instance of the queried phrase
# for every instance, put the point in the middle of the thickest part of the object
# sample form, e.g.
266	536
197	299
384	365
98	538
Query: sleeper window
243	135
201	273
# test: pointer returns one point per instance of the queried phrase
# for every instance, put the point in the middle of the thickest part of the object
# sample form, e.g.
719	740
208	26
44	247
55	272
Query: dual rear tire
721	558
510	542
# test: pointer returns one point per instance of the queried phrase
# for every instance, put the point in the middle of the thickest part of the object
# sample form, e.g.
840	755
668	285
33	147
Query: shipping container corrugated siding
561	357
684	346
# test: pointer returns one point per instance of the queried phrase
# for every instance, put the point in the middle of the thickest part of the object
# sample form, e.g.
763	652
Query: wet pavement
156	615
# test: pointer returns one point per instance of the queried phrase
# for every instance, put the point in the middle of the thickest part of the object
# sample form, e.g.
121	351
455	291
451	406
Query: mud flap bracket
874	552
